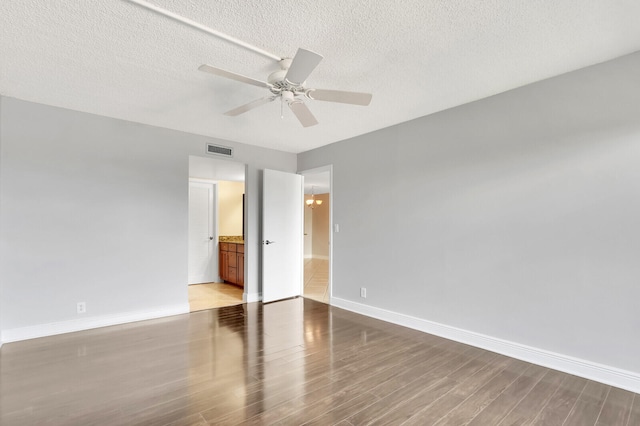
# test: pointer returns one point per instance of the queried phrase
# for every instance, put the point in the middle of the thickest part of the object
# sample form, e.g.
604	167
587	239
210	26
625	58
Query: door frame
315	170
213	223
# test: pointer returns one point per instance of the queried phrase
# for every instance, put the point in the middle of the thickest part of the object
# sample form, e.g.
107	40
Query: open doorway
317	234
216	233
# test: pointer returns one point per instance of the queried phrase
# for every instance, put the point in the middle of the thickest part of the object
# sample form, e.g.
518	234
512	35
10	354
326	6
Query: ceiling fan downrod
205	29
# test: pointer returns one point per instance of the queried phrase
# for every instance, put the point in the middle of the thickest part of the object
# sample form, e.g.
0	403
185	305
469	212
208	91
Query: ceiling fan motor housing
277	77
279	84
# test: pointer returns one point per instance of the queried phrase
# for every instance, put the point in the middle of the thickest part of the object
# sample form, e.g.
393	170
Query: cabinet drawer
232	247
240	248
224	247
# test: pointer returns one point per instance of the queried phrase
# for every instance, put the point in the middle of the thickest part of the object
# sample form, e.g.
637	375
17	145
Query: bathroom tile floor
213	295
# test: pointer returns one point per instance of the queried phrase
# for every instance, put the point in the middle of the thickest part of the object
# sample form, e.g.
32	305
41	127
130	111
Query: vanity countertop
235	239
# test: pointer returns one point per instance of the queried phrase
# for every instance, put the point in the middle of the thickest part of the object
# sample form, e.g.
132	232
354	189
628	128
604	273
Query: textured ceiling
113	58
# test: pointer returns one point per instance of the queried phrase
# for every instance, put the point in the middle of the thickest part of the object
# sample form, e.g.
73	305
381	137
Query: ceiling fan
288	83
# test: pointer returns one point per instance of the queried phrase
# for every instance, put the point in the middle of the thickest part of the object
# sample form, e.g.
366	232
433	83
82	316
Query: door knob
267	242
211	238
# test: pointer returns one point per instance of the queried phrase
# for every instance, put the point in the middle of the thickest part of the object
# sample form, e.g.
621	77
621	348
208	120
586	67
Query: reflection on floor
316	280
213	295
292	362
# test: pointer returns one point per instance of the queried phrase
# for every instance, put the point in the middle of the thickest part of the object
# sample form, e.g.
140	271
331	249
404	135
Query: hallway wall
321	228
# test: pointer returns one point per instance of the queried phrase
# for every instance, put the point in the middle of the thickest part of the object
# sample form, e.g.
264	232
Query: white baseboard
308	256
61	327
315	256
251	297
590	370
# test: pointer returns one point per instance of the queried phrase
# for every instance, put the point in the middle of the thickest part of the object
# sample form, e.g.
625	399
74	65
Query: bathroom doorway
216	233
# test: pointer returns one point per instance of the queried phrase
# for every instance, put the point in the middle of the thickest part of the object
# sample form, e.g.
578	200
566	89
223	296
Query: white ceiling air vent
223	151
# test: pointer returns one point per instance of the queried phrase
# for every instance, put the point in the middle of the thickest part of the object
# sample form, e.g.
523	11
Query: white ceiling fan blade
354	98
302	65
251	105
233	76
303	113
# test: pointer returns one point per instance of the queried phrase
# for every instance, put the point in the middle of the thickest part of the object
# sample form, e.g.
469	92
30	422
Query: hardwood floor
213	295
287	363
316	280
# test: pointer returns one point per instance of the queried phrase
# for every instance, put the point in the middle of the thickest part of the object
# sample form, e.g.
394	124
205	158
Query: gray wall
95	209
1	133
515	216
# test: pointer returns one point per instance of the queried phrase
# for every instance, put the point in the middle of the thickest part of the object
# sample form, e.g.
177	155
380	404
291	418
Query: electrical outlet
82	307
363	292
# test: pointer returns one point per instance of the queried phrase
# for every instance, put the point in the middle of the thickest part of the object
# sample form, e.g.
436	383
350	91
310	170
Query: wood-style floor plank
561	402
483	397
466	387
528	408
516	392
287	363
634	415
589	404
424	398
341	412
616	408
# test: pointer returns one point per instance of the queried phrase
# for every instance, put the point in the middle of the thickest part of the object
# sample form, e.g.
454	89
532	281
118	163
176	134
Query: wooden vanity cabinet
240	263
232	263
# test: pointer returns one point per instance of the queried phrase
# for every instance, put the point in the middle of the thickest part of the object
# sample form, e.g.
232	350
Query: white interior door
203	241
282	230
